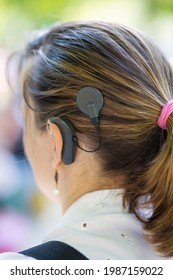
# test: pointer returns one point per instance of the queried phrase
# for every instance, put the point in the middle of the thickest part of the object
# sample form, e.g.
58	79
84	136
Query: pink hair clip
165	113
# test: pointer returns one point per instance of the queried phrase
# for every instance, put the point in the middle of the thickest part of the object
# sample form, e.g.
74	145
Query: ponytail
158	186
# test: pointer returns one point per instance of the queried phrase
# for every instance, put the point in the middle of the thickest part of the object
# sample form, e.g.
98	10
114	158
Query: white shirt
99	227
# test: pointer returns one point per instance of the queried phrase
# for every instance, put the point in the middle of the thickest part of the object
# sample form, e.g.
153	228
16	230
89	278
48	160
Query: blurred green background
19	17
25	216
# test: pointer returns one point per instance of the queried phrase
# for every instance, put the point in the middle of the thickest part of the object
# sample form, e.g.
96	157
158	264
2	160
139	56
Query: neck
80	178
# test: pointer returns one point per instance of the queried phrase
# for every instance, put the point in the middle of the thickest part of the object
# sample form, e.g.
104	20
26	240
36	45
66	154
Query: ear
57	144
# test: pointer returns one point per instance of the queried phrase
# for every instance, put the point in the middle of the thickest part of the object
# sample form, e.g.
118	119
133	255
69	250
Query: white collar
94	203
99	227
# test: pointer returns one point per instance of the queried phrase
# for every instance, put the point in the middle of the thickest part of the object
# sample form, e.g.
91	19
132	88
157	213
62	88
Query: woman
97	107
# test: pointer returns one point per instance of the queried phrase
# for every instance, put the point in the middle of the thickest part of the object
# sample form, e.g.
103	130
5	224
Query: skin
44	150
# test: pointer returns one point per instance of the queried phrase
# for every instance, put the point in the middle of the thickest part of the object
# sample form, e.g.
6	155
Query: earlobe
57	144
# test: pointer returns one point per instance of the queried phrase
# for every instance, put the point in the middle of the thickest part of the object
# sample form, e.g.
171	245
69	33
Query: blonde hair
136	81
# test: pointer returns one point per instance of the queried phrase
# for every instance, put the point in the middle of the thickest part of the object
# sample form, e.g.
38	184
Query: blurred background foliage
19	17
24	214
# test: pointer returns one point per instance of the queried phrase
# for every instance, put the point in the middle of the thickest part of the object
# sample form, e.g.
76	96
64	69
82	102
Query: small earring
56	190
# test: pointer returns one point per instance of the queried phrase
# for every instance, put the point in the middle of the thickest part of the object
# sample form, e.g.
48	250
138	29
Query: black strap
54	250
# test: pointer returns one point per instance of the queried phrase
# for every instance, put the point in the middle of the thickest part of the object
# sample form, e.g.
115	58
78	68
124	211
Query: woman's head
131	73
135	80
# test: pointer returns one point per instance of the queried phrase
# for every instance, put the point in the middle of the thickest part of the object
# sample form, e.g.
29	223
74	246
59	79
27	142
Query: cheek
28	145
42	168
38	152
